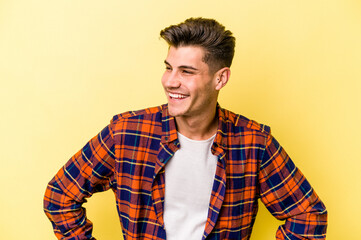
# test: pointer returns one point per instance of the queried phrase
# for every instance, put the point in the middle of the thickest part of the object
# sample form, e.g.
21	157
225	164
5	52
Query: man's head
197	67
217	42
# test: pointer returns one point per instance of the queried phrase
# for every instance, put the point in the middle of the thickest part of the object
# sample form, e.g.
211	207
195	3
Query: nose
171	80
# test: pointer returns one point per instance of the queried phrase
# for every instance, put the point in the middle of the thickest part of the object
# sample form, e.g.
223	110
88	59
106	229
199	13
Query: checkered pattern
129	155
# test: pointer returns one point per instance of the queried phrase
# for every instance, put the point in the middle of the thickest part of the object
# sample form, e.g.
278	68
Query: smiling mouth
177	96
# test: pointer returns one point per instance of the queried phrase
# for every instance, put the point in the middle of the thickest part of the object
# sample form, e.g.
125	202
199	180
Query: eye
168	68
187	72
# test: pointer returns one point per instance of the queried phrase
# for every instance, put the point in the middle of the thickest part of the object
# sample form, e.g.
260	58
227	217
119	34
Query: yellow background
66	67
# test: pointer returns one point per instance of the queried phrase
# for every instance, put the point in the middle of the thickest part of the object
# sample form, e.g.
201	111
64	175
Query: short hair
217	42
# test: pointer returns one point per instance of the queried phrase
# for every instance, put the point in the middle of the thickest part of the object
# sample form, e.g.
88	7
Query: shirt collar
168	126
221	137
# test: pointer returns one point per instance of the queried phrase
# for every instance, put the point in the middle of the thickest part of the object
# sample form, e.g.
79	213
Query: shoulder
133	120
241	122
137	113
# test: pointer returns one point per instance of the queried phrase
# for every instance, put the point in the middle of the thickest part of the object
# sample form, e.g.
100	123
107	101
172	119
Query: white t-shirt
189	177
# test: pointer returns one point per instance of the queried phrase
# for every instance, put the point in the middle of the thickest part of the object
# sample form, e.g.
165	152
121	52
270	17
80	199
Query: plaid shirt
129	155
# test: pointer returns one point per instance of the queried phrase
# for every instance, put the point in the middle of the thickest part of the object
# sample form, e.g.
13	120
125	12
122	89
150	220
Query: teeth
176	95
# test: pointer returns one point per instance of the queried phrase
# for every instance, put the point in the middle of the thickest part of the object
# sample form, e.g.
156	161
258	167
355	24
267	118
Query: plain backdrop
66	67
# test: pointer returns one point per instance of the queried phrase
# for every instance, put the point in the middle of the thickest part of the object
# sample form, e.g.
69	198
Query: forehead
186	55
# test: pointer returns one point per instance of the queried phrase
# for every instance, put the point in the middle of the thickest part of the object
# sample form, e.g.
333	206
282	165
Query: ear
222	77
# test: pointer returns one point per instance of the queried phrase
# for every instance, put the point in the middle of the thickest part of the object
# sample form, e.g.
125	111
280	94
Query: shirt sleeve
90	170
288	196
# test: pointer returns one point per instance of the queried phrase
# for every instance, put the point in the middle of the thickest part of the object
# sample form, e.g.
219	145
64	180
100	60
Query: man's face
188	84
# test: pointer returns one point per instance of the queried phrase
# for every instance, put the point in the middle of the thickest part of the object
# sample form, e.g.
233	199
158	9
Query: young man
187	169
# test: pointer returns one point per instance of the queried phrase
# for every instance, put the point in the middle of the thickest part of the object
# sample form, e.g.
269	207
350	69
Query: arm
90	170
288	196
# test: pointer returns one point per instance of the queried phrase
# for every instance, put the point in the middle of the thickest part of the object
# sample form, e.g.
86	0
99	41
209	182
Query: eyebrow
182	66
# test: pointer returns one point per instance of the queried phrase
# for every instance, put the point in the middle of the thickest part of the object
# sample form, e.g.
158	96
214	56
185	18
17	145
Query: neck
198	128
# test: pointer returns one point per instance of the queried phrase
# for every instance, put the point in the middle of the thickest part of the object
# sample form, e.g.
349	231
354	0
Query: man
187	169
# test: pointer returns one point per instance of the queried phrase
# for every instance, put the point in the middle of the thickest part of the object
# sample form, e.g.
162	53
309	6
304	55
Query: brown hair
217	42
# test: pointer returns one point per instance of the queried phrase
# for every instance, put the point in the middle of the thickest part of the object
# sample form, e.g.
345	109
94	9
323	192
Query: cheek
192	85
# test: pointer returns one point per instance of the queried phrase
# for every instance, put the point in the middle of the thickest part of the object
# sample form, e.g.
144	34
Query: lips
177	96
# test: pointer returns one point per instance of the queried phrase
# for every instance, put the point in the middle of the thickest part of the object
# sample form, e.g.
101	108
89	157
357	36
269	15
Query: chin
175	112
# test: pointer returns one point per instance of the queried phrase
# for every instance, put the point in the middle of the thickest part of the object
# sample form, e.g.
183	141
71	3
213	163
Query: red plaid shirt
129	155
